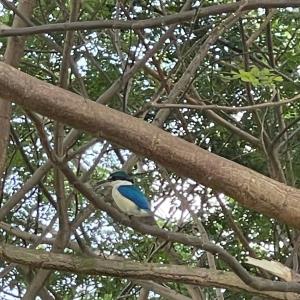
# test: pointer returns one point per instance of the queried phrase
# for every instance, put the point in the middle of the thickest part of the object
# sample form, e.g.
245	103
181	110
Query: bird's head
113	178
120	175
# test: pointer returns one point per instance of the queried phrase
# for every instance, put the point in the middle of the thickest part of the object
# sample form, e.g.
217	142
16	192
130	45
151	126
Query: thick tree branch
130	270
250	188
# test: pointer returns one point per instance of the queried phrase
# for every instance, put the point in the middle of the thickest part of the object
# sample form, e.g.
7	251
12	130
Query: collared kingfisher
127	196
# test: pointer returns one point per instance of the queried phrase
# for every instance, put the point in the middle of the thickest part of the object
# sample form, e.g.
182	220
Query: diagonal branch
250	188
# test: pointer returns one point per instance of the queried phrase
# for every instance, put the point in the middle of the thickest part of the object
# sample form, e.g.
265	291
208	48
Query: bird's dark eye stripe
120	178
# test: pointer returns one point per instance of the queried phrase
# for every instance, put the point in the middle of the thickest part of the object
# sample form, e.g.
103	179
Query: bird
127	196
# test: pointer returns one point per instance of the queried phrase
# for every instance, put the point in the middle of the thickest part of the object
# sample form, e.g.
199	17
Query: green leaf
278	78
248	77
255	71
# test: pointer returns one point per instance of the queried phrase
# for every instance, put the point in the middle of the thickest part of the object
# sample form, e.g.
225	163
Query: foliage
102	57
257	77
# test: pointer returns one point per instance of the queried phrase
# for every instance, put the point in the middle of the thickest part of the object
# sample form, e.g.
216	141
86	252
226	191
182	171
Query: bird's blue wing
133	193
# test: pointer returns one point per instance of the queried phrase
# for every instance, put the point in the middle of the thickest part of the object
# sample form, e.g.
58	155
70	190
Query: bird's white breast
124	204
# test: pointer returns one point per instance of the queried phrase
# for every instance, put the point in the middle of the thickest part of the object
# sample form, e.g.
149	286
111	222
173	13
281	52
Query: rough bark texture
131	270
250	188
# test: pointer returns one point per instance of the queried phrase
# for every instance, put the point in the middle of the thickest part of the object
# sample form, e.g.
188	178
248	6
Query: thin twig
227	108
148	23
262	27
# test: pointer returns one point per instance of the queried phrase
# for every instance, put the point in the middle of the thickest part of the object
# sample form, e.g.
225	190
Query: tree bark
251	189
131	270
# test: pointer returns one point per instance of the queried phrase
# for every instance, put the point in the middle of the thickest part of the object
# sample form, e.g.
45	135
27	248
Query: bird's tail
146	219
